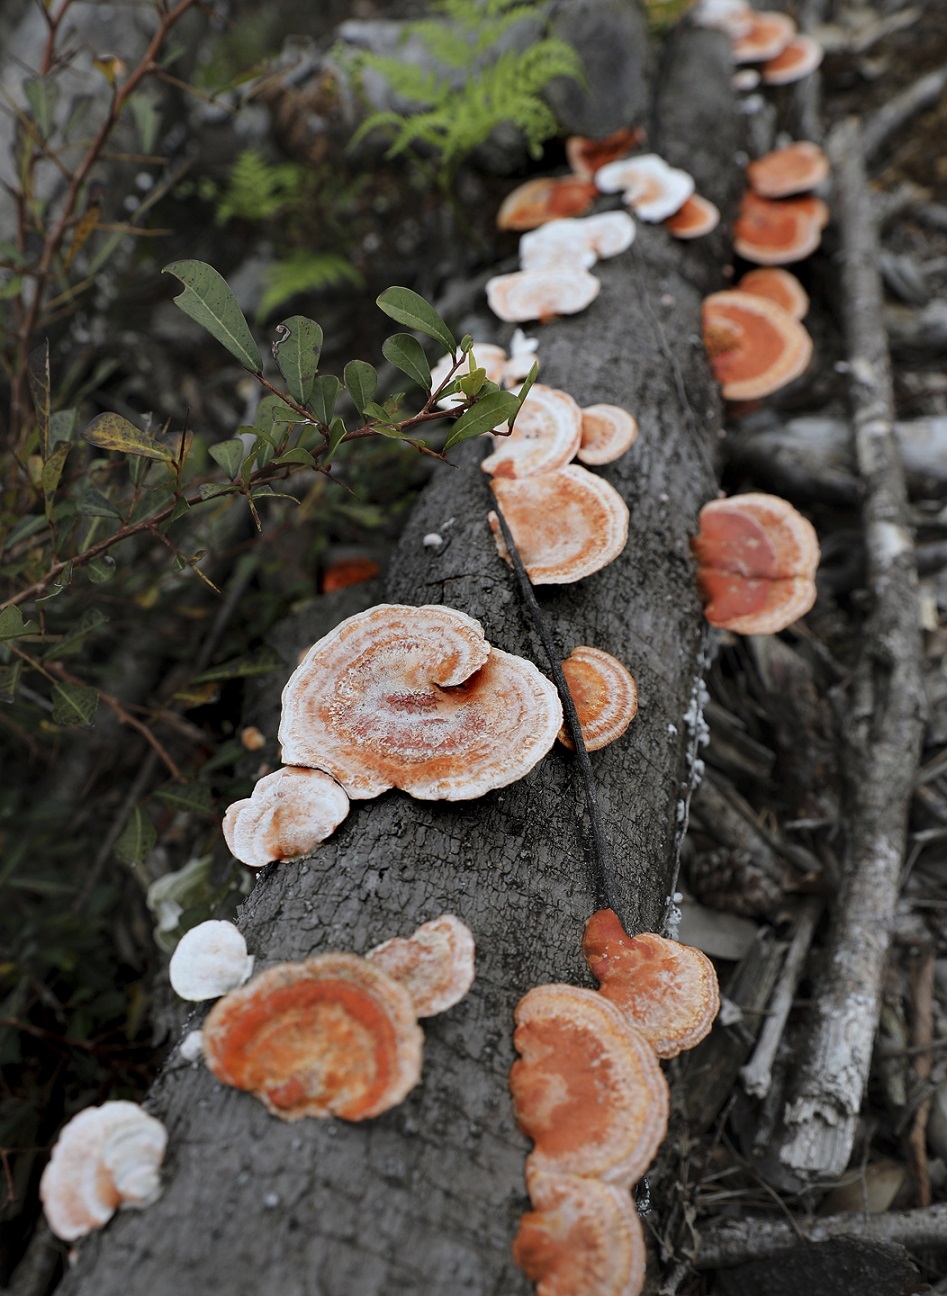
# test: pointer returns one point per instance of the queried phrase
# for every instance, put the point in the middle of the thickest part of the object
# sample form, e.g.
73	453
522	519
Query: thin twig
922	985
605	873
897	112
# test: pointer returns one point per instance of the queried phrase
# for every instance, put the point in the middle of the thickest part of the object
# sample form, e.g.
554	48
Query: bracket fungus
334	1035
415	698
694	218
580	242
566	524
795	169
770	231
604	693
546	435
209	960
288	814
765	36
545	199
779	286
757	558
582	1238
435	965
586	156
105	1158
607	432
668	990
651	187
541	294
587	1087
755	347
795	60
488	356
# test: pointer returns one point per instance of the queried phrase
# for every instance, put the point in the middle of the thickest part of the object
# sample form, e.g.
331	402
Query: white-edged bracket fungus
545	199
541	294
780	286
770	231
765	37
604	693
694	218
582	1238
415	698
105	1158
586	156
757	558
668	990
209	960
287	815
652	188
566	524
331	1036
607	432
755	347
796	60
581	241
587	1087
546	435
435	965
795	169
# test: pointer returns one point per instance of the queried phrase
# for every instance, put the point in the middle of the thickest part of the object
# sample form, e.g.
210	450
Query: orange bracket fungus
288	814
541	294
545	199
566	524
106	1158
669	991
331	1036
694	218
796	60
757	559
604	693
546	435
765	37
209	960
771	231
586	156
583	1238
652	188
415	698
755	347
607	432
587	1087
435	965
792	170
779	286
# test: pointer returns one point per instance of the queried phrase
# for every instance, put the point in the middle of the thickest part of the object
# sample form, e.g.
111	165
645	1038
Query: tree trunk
426	1198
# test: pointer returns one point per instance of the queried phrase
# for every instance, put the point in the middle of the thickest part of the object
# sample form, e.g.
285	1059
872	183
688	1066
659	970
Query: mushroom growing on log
426	1198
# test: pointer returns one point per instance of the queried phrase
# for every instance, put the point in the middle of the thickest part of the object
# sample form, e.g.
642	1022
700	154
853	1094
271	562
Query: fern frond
257	190
305	272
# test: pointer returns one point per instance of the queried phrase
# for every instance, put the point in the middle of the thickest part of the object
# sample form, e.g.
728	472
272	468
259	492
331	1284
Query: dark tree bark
426	1198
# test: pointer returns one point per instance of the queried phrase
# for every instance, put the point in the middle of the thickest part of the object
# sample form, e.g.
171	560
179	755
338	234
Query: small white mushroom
210	960
288	814
541	294
651	188
105	1158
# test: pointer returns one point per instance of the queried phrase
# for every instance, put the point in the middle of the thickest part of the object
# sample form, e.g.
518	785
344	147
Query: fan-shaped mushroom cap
771	232
488	356
766	37
695	218
541	294
607	432
792	170
779	286
546	435
587	1087
435	965
800	57
757	558
653	189
579	242
604	693
755	347
586	156
288	814
209	960
331	1036
668	990
416	698
105	1157
566	524
545	199
581	1237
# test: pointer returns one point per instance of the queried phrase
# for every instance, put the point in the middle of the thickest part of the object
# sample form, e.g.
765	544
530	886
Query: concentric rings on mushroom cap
288	814
435	965
587	1087
582	1237
755	347
771	231
416	698
780	286
604	693
546	435
331	1036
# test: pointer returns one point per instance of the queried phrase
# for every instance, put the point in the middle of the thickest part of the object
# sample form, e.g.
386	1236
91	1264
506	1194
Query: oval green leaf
112	432
325	392
409	308
296	352
229	454
208	299
360	383
407	354
494	408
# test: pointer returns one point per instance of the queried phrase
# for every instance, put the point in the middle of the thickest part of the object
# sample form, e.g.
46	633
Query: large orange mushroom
755	347
778	232
779	286
545	199
795	169
668	990
331	1036
416	698
587	1087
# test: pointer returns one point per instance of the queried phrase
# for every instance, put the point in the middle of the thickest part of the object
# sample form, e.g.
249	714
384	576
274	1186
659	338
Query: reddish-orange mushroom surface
779	286
435	965
585	156
587	1087
795	169
755	347
668	990
331	1036
778	232
545	199
604	693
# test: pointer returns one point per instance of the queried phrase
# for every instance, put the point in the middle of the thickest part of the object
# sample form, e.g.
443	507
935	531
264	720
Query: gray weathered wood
426	1198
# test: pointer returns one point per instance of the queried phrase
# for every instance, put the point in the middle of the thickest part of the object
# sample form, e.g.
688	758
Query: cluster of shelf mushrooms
589	1091
766	38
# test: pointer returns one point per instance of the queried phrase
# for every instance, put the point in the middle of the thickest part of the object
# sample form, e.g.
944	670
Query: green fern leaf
305	272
